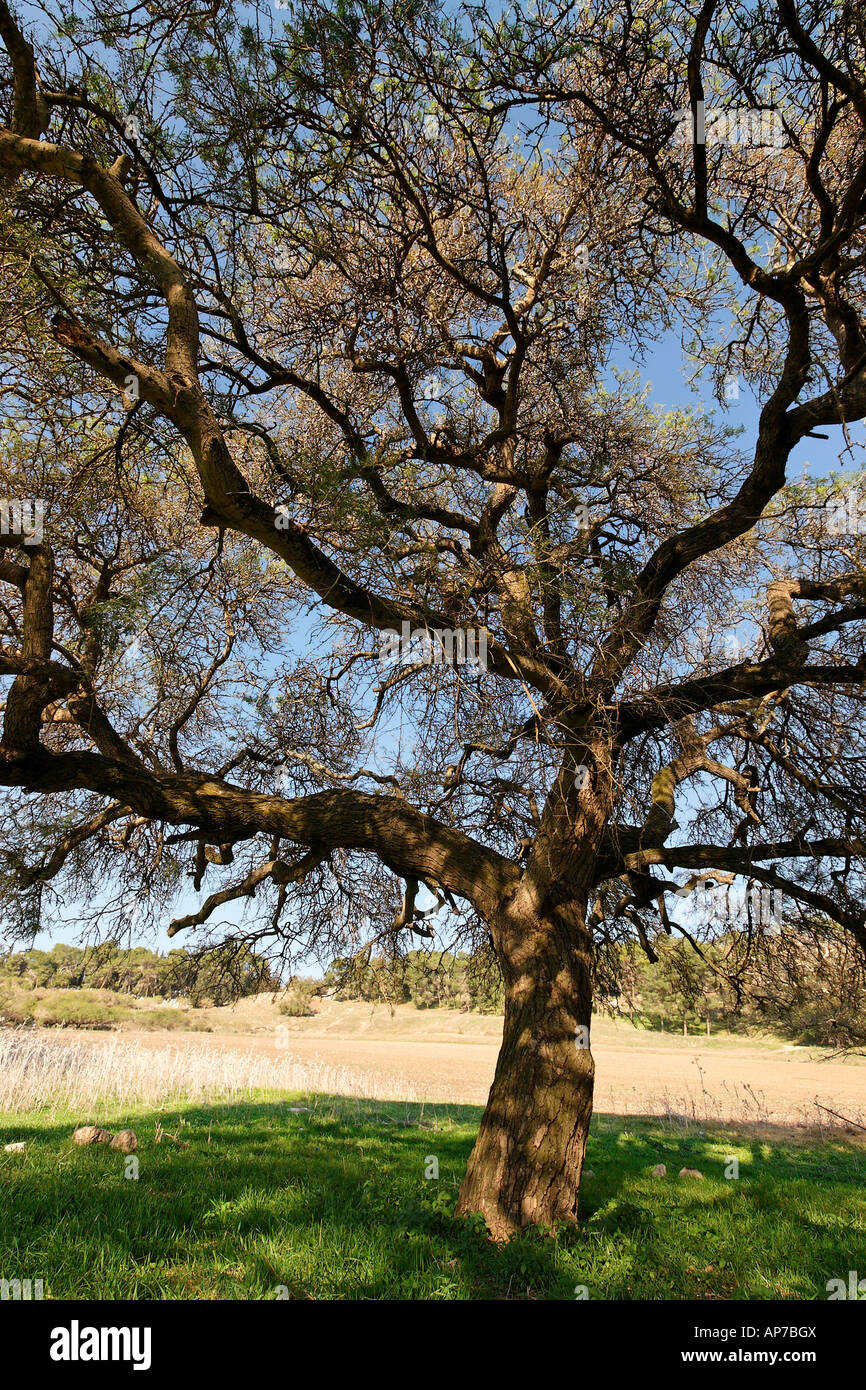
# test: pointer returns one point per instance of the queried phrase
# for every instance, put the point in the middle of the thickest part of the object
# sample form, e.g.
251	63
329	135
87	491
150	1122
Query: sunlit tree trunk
526	1165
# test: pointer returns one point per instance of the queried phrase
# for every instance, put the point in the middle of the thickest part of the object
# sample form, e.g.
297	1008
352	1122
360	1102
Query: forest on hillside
800	985
214	977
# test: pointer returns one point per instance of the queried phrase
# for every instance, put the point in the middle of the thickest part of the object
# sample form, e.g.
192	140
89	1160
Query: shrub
297	1002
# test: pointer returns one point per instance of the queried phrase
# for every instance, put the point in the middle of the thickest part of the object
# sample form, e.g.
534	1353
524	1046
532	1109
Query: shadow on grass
331	1197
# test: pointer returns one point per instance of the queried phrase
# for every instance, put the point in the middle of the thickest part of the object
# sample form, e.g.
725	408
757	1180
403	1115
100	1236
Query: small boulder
15	1148
690	1173
91	1134
660	1171
125	1141
587	1173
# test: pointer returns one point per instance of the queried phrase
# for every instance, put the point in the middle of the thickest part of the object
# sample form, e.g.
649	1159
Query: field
293	1159
443	1055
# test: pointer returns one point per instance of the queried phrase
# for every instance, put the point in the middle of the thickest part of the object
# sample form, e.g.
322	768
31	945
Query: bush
64	1008
297	1002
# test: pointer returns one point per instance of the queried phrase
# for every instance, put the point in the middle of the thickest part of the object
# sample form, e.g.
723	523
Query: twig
840	1117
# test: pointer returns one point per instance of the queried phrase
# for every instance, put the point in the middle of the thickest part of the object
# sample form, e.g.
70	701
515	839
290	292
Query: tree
340	298
218	977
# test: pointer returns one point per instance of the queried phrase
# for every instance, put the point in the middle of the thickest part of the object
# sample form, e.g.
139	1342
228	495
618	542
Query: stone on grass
660	1171
125	1141
690	1173
17	1148
91	1134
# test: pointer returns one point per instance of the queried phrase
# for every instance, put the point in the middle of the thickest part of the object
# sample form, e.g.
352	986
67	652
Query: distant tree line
807	984
427	979
217	977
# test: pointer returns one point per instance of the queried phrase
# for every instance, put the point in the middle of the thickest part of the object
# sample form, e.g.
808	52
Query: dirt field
446	1056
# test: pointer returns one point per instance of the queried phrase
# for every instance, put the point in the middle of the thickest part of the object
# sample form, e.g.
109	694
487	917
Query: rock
91	1134
588	1173
690	1173
15	1148
660	1171
125	1141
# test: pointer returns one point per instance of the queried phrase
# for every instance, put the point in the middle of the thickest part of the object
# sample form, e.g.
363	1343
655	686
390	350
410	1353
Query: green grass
334	1204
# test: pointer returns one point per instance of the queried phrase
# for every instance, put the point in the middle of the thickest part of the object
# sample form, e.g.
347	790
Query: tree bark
526	1165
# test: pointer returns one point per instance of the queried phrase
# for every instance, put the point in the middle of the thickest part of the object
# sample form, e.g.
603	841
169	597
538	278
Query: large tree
321	327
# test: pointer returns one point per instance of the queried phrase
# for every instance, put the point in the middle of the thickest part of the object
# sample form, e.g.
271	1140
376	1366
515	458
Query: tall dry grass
40	1073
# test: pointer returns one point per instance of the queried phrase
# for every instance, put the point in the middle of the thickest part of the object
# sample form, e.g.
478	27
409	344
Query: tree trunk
526	1164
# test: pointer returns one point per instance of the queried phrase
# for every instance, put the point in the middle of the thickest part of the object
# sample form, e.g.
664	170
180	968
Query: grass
255	1199
44	1074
